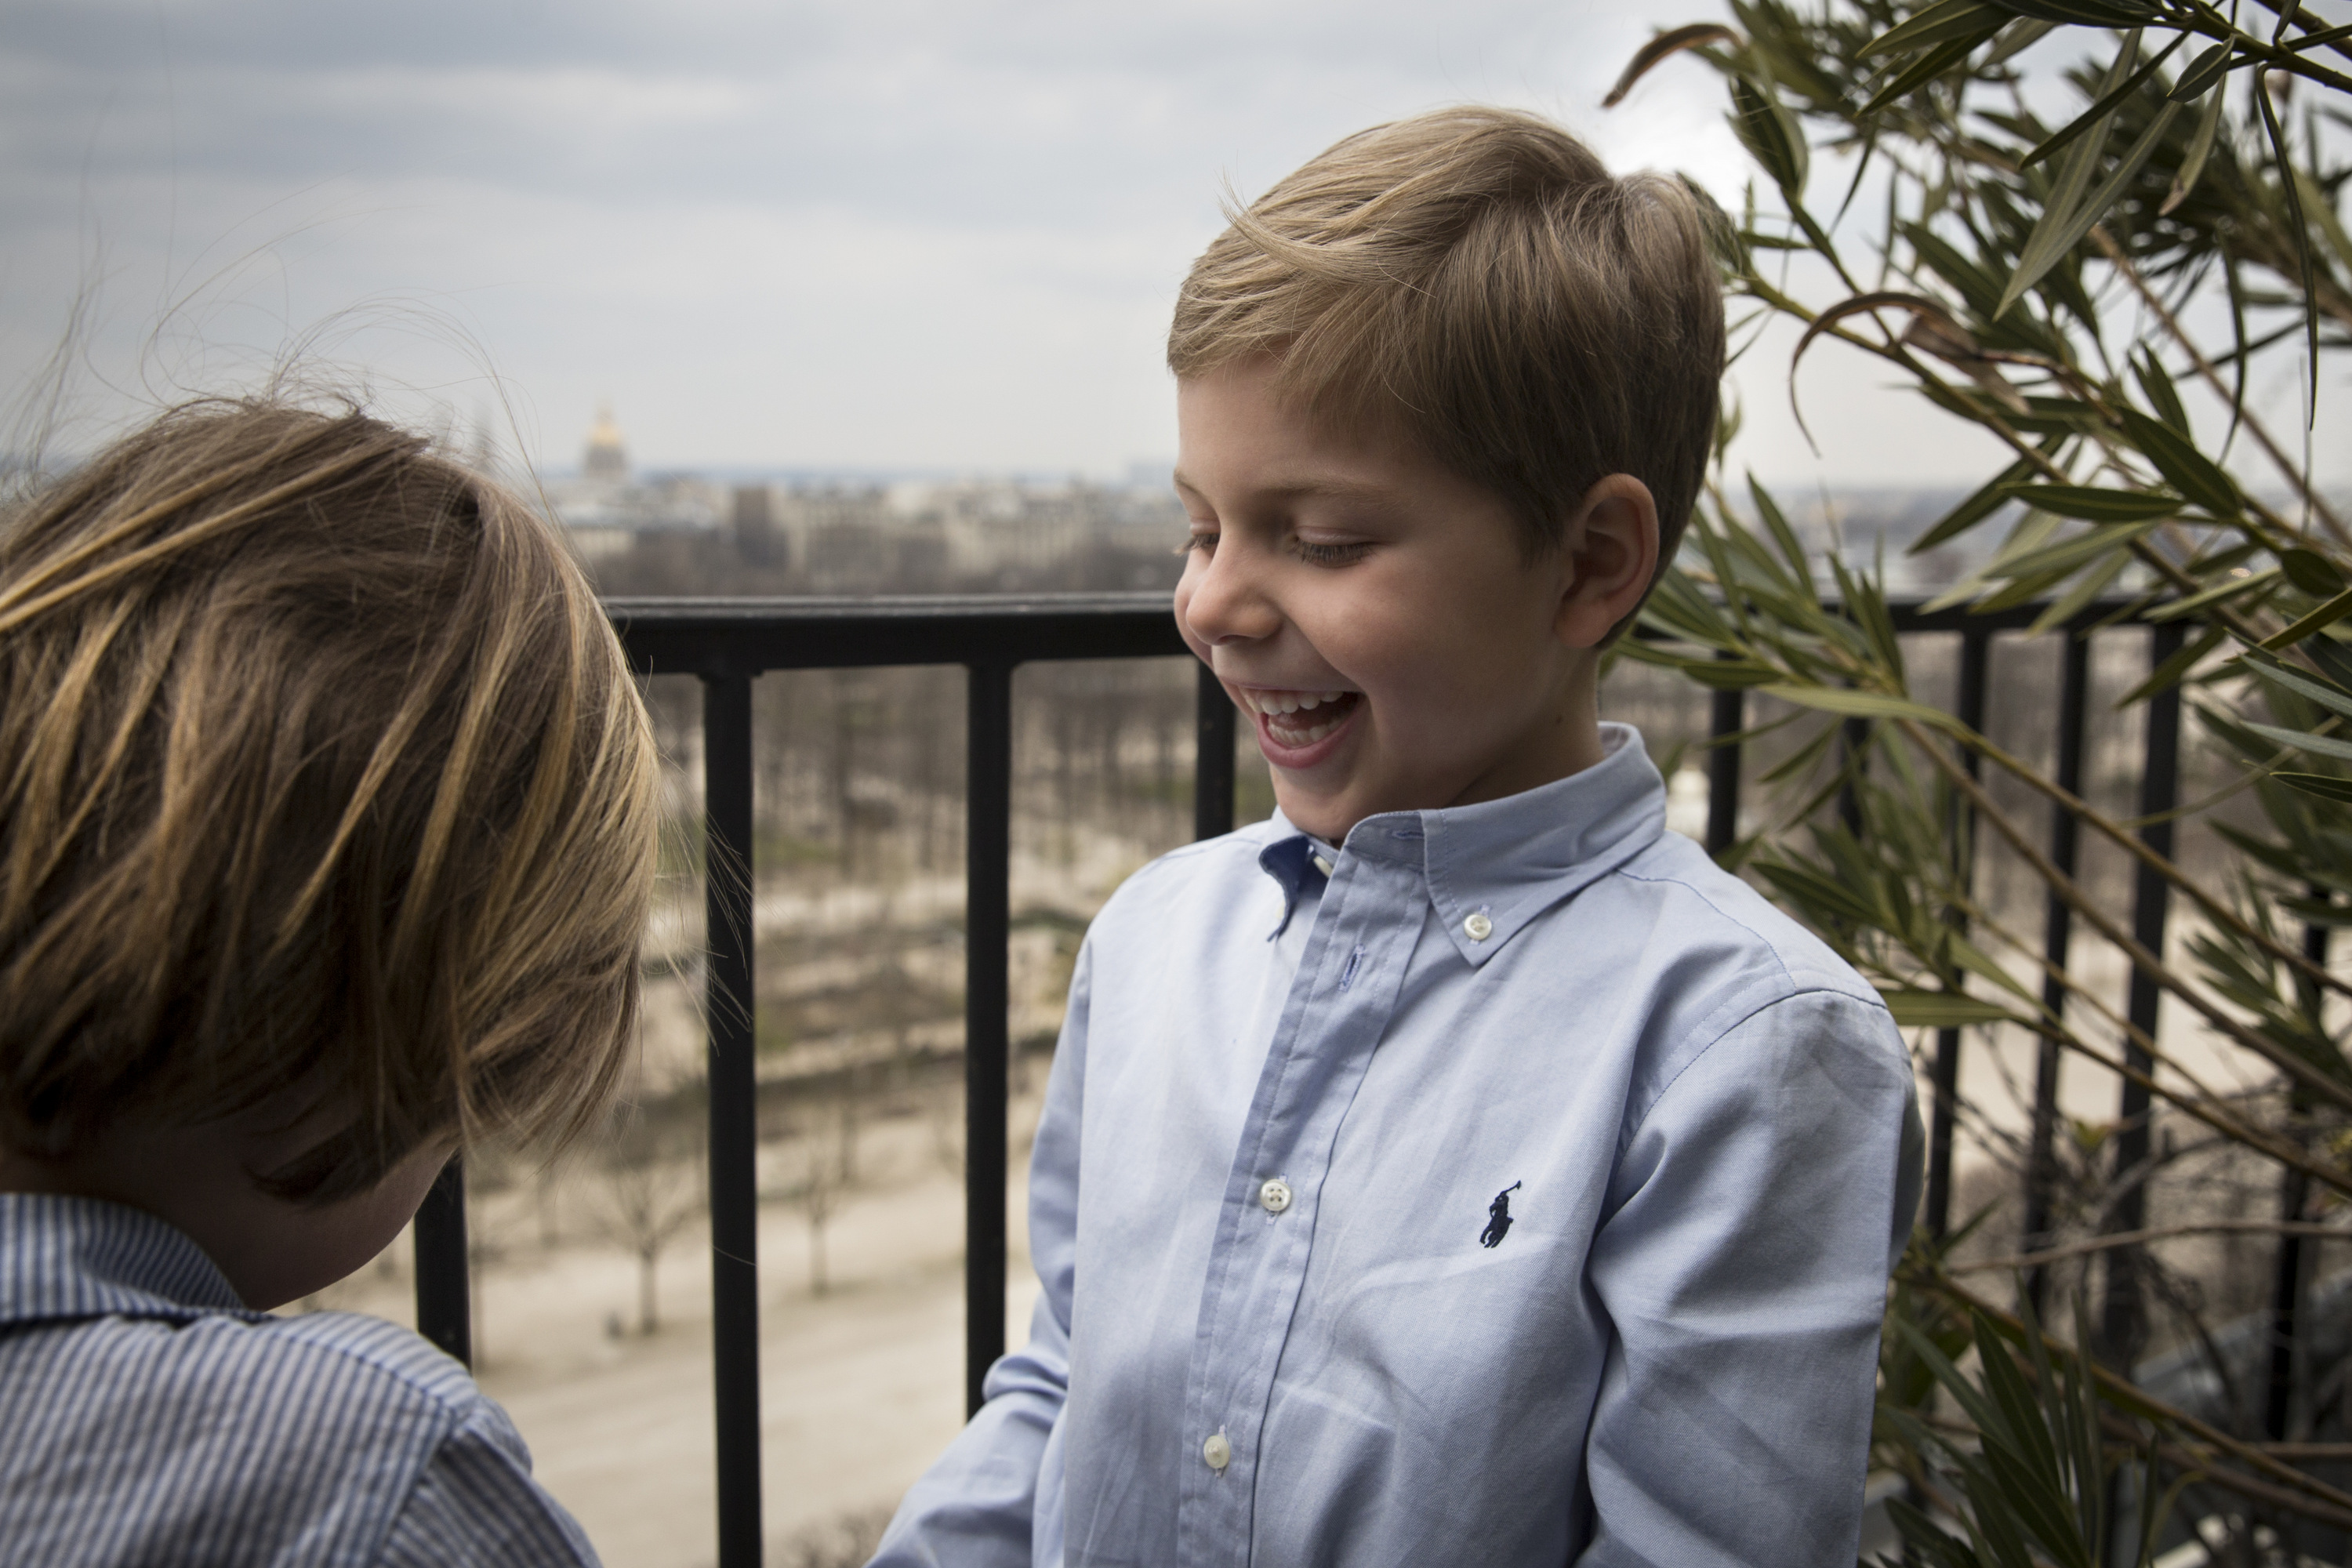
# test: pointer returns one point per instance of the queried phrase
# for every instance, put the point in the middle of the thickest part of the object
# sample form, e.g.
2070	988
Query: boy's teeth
1290	702
1286	711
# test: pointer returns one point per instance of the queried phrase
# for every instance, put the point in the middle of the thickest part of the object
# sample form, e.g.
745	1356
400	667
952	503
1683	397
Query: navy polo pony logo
1499	1218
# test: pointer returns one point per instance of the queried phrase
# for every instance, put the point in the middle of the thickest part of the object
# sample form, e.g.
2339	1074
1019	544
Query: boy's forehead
1235	430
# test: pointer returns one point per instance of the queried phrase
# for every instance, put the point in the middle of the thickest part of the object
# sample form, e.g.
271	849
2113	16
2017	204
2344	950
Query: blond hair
1536	323
321	774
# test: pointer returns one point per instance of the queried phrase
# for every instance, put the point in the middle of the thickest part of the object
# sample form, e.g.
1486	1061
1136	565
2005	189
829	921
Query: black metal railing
728	642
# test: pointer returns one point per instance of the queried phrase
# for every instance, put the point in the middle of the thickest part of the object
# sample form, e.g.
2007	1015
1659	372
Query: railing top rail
747	635
744	636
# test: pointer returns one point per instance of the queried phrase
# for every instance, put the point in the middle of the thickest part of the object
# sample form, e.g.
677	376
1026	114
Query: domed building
607	461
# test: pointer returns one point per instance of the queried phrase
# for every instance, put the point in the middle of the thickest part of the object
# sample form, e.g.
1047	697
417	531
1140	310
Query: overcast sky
896	234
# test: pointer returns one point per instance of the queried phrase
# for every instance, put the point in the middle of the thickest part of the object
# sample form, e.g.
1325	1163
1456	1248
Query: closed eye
1316	555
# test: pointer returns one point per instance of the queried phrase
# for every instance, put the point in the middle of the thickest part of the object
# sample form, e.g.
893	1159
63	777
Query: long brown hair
320	771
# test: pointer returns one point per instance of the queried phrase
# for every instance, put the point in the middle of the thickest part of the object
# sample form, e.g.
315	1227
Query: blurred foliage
2035	200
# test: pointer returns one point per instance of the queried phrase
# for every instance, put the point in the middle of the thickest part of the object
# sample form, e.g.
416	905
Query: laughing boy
1458	1167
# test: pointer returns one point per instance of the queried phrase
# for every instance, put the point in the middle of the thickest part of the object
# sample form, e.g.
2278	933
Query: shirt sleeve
1744	1271
979	1504
476	1506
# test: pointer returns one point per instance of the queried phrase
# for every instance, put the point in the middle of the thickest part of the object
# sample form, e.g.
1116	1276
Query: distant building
607	461
910	536
606	510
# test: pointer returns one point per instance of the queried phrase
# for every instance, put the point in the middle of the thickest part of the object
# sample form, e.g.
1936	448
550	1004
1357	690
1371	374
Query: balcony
725	645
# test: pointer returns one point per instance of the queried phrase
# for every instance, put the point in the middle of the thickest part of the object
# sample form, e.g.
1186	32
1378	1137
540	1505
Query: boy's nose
1222	602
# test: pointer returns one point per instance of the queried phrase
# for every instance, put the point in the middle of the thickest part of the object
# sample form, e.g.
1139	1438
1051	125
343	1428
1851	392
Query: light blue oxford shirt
1520	1190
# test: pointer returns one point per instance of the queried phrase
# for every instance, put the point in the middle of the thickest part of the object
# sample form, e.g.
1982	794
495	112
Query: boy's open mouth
1298	718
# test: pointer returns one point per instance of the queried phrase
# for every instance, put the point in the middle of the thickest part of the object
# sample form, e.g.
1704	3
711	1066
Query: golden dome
605	458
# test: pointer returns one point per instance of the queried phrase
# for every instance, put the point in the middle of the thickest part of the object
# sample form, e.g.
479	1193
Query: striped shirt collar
66	1257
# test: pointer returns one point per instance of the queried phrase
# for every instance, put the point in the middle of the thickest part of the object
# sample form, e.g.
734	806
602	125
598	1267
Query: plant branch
2202	1105
2243	1452
2302	1072
2286	465
2133	845
2156	1233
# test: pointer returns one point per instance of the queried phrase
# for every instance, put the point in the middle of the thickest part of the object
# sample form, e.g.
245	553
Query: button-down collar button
1274	1196
1478	927
1321	864
1217	1451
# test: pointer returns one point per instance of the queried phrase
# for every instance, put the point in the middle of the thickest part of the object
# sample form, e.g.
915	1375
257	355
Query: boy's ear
1610	546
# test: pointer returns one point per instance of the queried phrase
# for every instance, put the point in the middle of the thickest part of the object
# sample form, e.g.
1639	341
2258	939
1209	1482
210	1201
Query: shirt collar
1508	860
63	1258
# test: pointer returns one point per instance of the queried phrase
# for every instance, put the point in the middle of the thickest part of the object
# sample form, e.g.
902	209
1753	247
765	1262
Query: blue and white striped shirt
147	1417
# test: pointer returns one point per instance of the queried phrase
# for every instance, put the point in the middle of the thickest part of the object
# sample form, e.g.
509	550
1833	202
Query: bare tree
828	1170
650	1188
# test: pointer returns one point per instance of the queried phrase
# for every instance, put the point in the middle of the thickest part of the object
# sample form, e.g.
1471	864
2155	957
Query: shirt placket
1340	1004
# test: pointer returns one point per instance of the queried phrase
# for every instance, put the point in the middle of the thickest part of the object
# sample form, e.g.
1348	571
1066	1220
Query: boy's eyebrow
1307	485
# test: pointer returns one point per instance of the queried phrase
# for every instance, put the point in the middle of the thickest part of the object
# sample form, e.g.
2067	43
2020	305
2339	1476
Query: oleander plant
2051	219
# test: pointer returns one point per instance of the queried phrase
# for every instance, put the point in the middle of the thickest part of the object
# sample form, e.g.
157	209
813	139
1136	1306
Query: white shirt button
1321	864
1274	1196
1217	1451
1478	927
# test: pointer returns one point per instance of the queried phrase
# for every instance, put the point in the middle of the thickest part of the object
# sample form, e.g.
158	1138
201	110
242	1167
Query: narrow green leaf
2201	147
2164	676
2285	160
2325	616
1860	704
2077	598
2271	668
2315	200
1980	288
1727	674
2302	741
2085	12
1824	899
2219	592
1977	961
1800	568
2062	138
1927	68
2312	572
2192	473
1770	134
2325	786
2334	660
1990	498
2073	179
2155	386
2203	72
2061	228
2094	505
1936	24
2068	555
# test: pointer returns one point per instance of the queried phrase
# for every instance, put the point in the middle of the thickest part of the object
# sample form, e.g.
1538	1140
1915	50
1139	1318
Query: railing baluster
2057	933
988	871
1212	759
2123	1321
2289	1283
733	1091
443	1305
1727	713
1976	651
